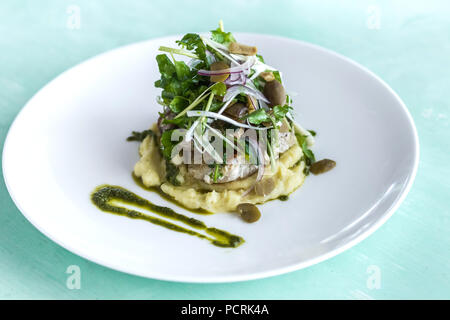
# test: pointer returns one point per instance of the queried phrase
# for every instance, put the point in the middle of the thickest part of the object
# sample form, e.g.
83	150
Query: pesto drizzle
105	197
165	196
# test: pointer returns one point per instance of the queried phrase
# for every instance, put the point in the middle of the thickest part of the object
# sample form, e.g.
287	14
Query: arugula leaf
219	89
169	82
182	70
178	104
192	41
280	111
307	153
276	114
178	80
166	67
181	122
222	37
257	117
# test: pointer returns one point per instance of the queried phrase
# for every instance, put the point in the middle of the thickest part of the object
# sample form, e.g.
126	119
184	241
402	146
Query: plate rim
227	278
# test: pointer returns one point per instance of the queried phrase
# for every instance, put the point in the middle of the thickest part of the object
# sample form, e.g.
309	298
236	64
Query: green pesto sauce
107	198
165	196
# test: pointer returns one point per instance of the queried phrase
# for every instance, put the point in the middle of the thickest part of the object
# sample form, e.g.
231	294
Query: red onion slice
238	68
203	72
247	90
236	79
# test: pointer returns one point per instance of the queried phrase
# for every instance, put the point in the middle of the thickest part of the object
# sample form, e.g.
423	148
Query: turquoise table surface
407	43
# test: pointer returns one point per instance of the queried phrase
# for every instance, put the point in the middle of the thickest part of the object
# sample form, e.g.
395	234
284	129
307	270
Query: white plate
70	138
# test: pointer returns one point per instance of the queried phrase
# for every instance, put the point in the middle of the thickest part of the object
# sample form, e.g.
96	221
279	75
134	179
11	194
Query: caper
274	91
219	125
236	111
322	166
264	187
216	66
249	212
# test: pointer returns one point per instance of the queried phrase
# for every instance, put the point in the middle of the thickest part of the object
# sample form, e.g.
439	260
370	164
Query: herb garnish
140	136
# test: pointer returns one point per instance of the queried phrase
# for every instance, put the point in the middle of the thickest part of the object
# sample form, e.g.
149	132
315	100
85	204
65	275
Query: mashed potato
223	197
